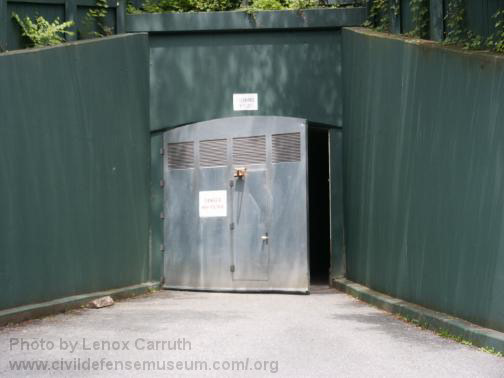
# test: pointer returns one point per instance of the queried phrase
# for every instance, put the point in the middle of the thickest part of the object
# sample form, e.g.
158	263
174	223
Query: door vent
249	150
213	153
180	155
286	147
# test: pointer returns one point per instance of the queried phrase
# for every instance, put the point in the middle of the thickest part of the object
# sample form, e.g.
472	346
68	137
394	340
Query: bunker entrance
246	205
319	205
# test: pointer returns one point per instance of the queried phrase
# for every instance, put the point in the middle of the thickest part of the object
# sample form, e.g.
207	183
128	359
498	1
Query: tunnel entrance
319	205
237	205
248	206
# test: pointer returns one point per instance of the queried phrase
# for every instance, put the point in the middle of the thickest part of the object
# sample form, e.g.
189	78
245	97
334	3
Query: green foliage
302	4
420	16
396	8
95	21
447	334
379	16
216	5
459	339
473	41
131	9
492	351
496	40
167	6
459	34
100	10
42	32
455	23
170	6
259	5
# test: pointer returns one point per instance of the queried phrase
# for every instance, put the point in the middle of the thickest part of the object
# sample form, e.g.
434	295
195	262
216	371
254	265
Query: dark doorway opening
319	205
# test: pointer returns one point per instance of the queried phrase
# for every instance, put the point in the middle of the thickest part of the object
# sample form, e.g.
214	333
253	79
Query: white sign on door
245	101
213	203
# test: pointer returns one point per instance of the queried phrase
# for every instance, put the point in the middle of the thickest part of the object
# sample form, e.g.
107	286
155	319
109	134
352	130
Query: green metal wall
424	182
74	169
295	73
156	243
292	60
338	264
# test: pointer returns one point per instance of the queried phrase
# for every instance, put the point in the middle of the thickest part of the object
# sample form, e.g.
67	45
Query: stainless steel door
251	207
225	231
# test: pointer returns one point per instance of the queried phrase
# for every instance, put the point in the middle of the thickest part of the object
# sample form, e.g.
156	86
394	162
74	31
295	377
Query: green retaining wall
74	169
424	181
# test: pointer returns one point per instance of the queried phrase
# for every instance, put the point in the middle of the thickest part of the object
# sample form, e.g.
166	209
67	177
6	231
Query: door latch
240	172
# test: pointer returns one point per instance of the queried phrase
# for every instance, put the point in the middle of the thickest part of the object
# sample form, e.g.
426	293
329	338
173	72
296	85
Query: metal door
251	207
236	205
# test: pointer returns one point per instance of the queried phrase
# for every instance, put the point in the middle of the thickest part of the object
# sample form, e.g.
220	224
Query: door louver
249	150
213	153
180	155
286	147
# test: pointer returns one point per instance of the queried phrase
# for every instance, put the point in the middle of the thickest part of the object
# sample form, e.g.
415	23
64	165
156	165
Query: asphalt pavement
177	333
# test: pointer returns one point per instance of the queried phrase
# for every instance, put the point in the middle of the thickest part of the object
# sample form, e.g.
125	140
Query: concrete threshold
433	320
38	310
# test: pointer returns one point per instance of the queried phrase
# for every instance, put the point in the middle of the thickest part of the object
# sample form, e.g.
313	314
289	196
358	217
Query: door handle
265	237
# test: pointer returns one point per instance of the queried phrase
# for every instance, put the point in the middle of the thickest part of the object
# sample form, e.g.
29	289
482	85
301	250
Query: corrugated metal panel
424	189
75	214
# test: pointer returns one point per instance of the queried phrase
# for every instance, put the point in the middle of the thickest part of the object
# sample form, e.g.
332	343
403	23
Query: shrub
267	5
169	6
42	32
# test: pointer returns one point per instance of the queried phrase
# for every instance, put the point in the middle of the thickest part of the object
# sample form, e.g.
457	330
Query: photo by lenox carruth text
85	344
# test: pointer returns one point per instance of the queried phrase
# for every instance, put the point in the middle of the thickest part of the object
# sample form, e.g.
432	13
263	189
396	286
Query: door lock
240	172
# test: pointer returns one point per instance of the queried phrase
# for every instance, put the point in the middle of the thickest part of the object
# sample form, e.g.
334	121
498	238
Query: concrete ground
325	334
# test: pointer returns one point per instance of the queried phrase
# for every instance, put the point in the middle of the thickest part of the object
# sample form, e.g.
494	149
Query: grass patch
445	334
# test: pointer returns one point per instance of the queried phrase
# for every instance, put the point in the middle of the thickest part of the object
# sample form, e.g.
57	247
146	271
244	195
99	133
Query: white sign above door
245	101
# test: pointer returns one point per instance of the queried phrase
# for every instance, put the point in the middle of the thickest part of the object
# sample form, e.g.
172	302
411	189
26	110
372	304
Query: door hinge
161	247
161	151
161	216
231	226
161	183
232	268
